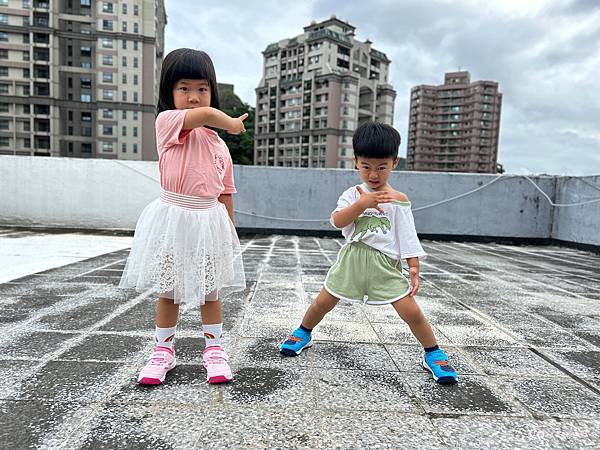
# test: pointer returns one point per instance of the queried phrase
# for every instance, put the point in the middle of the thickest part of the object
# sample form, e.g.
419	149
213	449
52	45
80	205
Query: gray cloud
546	59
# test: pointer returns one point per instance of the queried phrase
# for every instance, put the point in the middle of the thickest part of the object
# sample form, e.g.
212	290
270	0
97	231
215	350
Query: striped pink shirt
192	162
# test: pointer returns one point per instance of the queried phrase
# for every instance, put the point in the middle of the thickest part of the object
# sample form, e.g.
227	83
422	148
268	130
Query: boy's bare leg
324	303
409	311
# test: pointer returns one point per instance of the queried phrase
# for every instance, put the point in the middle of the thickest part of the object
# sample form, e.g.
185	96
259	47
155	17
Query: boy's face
191	93
375	171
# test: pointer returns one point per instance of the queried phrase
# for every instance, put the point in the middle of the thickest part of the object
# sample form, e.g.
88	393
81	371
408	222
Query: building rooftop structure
521	324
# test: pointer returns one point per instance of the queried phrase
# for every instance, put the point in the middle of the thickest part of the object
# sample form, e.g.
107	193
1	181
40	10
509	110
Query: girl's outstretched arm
205	115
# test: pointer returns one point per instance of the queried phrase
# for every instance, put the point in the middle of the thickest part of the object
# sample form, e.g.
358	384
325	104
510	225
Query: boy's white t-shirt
392	232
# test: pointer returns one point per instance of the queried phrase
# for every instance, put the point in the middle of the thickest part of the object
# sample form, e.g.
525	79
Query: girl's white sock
213	334
165	337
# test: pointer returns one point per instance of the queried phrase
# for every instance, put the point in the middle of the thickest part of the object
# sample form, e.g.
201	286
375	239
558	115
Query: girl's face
191	93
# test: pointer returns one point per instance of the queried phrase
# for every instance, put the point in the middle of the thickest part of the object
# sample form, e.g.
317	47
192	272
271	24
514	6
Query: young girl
185	245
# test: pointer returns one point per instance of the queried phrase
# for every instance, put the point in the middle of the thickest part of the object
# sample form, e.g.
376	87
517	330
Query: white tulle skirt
185	248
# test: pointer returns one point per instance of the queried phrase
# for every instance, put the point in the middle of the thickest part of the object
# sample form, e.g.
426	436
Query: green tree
242	145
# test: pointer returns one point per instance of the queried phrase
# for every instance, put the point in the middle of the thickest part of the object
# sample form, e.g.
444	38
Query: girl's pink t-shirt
192	162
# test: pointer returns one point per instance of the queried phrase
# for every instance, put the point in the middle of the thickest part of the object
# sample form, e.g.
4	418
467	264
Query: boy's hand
237	124
373	199
414	280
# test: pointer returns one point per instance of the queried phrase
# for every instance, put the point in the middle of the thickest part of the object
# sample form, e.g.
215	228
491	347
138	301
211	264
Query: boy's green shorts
364	274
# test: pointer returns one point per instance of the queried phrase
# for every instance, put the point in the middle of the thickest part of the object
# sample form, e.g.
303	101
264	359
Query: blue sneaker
298	341
437	363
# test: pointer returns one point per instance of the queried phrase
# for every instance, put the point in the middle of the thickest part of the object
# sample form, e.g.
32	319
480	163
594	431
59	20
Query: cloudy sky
544	54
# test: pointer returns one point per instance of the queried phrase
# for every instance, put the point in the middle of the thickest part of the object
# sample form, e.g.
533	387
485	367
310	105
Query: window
4	36
86	116
136	11
86	98
26	55
135	147
136	28
4	54
135	115
107	60
124	96
124	147
85	2
124	131
107	25
135	131
124	115
4	88
107	77
124	9
108	95
107	147
3	71
4	107
124	78
135	80
135	97
107	7
26	39
3	19
4	124
135	62
107	130
107	113
124	63
107	43
135	45
4	141
27	74
86	131
124	25
124	45
3	2
86	83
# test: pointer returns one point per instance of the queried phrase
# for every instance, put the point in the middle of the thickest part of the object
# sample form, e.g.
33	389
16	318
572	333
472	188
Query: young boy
379	229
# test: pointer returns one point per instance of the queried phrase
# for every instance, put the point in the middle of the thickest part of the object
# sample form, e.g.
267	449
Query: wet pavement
520	323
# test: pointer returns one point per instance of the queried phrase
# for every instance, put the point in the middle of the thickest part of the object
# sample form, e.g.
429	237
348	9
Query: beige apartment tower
316	88
79	78
454	127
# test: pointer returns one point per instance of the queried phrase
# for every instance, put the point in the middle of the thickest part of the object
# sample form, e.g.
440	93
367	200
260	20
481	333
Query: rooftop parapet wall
108	194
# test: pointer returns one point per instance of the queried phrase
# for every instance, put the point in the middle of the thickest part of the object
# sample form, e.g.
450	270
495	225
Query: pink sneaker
217	368
161	361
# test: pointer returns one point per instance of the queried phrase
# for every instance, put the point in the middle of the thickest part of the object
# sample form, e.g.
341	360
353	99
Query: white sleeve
410	247
346	199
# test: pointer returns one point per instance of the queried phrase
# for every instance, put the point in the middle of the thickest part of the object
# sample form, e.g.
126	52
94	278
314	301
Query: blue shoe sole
290	352
440	380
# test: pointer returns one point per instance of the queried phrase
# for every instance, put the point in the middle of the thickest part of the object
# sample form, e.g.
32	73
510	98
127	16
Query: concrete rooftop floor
521	324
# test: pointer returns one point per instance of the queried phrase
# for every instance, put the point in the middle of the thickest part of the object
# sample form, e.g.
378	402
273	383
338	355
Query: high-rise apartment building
454	127
316	88
80	77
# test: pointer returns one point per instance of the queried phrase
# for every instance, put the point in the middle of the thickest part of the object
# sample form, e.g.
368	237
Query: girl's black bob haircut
190	64
376	140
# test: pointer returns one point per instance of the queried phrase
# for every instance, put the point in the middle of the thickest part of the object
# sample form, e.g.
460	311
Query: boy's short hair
376	140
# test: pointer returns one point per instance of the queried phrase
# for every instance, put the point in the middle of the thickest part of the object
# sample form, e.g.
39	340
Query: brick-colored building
454	127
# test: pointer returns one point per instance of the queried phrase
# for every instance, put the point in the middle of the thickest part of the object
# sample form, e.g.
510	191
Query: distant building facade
80	77
316	88
454	127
